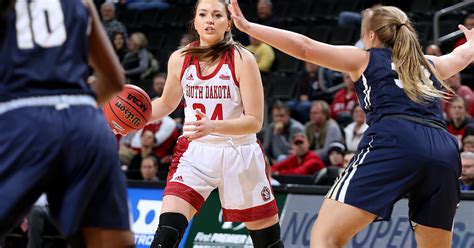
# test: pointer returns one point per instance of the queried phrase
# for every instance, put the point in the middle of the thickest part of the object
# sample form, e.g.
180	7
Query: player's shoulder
177	58
242	54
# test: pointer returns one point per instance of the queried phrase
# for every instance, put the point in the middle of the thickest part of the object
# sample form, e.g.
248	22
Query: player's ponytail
5	5
213	52
395	31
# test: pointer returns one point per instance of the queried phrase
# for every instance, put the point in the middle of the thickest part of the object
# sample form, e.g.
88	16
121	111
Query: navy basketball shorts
398	158
69	152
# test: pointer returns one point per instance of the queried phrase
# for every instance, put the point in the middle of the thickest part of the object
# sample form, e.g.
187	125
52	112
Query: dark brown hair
215	51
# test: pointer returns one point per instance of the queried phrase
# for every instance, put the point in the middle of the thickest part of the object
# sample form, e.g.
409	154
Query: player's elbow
256	124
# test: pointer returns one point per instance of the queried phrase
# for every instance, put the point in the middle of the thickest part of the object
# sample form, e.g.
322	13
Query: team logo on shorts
266	195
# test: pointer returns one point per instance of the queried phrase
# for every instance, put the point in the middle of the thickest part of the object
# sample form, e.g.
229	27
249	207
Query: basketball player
223	91
406	149
54	138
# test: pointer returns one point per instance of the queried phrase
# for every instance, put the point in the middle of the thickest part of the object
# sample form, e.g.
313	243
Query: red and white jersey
217	95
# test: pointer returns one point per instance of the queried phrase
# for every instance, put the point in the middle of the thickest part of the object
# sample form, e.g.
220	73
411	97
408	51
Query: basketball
128	111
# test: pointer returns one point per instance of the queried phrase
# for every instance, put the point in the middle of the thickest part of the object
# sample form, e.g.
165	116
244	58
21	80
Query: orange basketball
128	111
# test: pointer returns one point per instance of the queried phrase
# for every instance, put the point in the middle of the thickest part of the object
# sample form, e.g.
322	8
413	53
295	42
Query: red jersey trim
187	60
231	64
181	147
251	214
198	69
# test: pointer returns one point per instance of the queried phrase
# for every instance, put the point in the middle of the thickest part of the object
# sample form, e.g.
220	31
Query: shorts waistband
58	101
419	120
226	141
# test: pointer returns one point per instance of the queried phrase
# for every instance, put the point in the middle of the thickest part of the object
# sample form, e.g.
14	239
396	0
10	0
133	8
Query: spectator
147	141
461	90
165	136
354	131
311	84
321	130
265	14
263	53
39	218
268	170
277	135
185	40
467	174
336	153
302	161
149	168
141	5
433	49
468	143
158	85
111	24
459	121
138	63
344	101
159	81
120	45
469	24
347	158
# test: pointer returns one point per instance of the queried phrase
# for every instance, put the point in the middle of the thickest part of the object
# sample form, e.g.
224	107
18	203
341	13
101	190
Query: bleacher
315	19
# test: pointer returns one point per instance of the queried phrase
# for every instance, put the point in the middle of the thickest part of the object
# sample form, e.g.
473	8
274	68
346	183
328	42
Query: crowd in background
312	132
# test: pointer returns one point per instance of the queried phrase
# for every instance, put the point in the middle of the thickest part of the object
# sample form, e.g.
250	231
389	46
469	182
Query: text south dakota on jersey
208	92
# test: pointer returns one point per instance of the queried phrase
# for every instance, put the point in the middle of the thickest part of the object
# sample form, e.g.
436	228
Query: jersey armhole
187	61
370	51
232	65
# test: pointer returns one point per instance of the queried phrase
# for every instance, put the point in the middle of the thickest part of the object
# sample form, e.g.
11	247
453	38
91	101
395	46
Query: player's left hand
198	129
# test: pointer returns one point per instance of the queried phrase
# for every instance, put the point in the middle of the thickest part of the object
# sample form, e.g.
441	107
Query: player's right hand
239	20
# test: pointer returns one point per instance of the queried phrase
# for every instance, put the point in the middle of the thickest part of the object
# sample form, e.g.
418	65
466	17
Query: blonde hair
141	40
395	31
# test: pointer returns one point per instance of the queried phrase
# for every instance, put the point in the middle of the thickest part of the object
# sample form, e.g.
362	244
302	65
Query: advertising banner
210	230
145	208
301	210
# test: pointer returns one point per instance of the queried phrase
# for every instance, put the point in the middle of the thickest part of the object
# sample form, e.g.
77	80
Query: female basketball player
224	109
54	139
406	149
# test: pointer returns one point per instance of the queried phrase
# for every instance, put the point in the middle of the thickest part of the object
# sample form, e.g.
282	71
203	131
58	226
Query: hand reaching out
468	33
239	20
198	129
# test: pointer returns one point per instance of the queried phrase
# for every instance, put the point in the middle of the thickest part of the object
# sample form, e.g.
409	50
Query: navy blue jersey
44	51
381	94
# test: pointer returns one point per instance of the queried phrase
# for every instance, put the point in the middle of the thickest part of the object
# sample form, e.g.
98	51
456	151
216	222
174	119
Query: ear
229	26
372	35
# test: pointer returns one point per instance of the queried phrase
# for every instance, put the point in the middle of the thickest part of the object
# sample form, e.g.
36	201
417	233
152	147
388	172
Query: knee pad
170	230
267	238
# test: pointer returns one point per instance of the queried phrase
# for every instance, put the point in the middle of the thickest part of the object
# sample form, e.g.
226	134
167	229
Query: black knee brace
170	230
267	238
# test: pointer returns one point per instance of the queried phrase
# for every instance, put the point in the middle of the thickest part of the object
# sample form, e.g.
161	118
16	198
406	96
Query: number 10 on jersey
39	22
